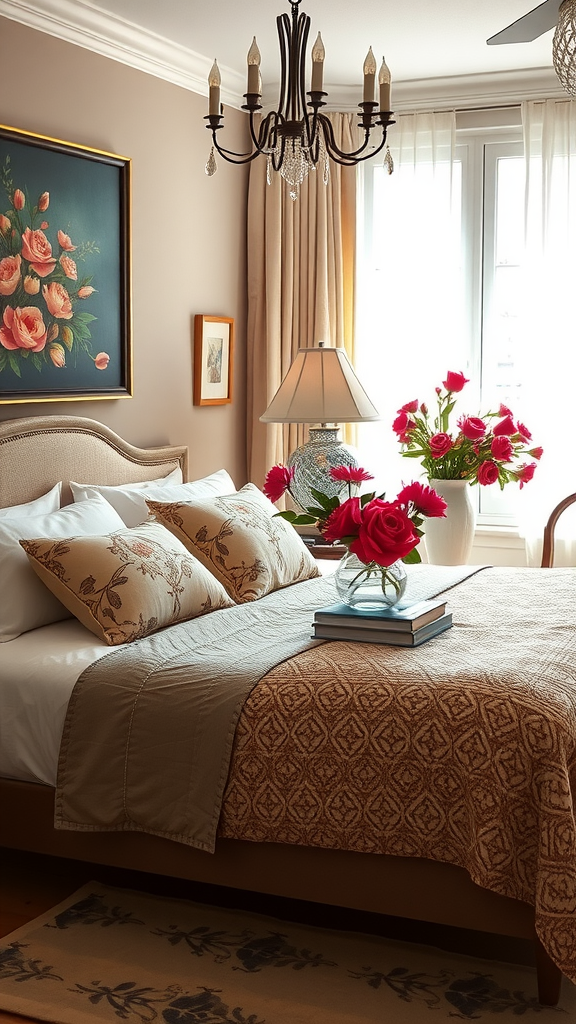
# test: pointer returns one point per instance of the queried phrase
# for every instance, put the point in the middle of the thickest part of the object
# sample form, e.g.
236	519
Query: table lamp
320	387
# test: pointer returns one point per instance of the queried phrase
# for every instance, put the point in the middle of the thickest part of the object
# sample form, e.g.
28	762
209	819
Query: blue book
409	619
394	637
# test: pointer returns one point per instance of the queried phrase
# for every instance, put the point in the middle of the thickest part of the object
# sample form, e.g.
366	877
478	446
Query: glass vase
369	586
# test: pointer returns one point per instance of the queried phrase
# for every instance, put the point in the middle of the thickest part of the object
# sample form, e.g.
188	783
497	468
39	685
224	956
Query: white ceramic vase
449	540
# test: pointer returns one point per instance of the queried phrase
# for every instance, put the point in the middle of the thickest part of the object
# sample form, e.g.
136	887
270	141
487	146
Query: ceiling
421	39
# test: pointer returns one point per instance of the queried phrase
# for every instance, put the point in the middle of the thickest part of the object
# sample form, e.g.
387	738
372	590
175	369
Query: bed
36	453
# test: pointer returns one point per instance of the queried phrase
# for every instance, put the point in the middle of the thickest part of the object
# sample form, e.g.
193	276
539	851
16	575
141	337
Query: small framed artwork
213	348
65	281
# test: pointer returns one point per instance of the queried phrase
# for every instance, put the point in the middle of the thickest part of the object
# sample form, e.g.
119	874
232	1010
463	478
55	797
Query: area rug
108	954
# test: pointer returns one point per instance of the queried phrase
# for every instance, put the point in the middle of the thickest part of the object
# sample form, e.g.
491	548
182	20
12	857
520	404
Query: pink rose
23	328
472	427
65	242
386	533
44	201
68	266
5	224
423	498
44	225
9	274
58	301
58	355
440	444
502	448
31	285
18	199
102	360
37	250
344	521
454	381
505	426
85	291
487	472
350	474
277	482
525	473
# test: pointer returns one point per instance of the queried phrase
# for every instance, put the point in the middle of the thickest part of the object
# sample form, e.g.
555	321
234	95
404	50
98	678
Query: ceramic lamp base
312	464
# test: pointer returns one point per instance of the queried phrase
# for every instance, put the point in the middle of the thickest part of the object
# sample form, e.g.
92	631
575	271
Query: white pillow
25	602
82	491
130	501
48	502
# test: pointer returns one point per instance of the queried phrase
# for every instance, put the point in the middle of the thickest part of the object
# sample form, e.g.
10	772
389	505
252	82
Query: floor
30	884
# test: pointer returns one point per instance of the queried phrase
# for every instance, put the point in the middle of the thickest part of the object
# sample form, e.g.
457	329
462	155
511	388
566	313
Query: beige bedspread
462	750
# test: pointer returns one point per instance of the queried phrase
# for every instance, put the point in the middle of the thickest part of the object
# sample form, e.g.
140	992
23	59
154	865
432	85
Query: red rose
439	445
344	521
502	448
402	423
278	480
386	533
525	473
454	381
487	472
472	427
350	474
505	426
424	499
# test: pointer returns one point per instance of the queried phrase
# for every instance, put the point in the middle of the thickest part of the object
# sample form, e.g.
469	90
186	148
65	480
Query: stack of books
401	627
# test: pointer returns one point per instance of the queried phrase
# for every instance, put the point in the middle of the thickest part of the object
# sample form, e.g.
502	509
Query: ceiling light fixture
297	137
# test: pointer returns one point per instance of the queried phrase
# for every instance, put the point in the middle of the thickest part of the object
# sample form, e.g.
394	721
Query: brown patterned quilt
462	750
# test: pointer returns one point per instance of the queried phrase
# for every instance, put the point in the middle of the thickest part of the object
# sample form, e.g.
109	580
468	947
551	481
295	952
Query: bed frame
36	452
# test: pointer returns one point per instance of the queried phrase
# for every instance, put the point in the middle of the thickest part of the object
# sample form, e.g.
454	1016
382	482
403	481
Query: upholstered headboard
38	451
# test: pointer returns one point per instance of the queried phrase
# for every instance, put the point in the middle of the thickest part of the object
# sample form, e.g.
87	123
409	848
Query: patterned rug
107	954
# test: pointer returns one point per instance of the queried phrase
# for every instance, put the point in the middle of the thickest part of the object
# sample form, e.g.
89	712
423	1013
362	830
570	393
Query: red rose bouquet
481	449
377	531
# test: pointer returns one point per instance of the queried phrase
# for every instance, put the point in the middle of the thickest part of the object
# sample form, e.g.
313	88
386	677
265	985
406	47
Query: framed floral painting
213	348
65	295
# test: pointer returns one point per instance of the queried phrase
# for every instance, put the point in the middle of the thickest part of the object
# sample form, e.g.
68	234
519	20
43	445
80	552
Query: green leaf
84	318
14	366
322	499
413	557
366	498
297	519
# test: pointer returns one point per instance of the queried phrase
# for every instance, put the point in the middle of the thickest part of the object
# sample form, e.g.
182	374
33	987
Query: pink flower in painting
454	381
9	274
58	355
65	242
23	328
85	291
37	250
44	202
277	482
57	300
68	266
102	360
31	285
5	224
487	472
350	474
18	199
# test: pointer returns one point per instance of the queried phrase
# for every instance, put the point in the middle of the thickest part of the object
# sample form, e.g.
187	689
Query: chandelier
564	46
297	137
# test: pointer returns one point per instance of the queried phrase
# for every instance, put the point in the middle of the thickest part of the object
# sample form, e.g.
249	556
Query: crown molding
85	24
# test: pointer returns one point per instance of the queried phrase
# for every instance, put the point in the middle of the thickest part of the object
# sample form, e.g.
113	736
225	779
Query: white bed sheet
38	671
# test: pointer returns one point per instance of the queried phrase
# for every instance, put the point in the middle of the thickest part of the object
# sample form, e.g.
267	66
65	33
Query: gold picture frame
213	351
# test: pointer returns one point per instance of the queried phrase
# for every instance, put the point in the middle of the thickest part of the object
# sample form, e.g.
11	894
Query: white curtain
548	313
410	306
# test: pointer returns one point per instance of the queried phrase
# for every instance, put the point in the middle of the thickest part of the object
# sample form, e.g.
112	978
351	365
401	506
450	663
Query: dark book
396	638
409	619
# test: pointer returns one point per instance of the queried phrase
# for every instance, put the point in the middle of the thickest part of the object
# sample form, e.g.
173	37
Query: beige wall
188	232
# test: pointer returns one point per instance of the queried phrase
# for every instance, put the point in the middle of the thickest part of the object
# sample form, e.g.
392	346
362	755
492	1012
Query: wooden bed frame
52	448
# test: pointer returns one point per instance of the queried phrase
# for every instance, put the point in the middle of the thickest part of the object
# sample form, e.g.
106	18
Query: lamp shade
320	387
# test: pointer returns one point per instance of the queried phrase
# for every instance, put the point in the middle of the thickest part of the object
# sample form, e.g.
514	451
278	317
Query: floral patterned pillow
128	584
236	537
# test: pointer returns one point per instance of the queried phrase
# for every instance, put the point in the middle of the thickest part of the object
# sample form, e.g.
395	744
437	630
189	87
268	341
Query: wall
188	232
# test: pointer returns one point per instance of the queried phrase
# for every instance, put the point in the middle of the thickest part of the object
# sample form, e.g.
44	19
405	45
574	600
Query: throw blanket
462	750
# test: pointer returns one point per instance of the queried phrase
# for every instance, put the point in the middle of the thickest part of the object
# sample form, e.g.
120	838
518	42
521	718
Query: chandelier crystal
564	46
297	137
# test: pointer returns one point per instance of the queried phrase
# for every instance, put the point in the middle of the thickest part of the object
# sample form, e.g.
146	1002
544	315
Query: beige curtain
301	256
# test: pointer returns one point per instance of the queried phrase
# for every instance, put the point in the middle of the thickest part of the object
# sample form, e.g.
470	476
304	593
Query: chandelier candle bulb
384	81
318	54
254	69
214	82
369	76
